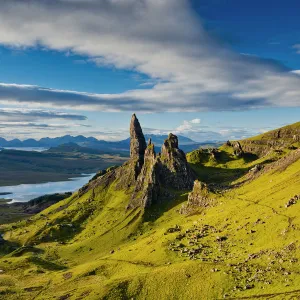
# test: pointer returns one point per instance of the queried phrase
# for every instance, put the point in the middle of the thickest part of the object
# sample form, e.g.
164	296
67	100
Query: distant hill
118	147
73	148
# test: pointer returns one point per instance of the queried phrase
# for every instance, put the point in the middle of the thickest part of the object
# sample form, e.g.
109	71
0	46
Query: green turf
246	246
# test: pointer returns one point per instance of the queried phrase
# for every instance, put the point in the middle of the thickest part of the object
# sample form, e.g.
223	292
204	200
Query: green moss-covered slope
89	246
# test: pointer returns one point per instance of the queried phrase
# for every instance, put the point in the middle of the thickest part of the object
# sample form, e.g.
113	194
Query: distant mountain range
186	144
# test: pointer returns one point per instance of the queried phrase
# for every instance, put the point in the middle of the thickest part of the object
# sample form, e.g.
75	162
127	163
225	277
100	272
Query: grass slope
244	247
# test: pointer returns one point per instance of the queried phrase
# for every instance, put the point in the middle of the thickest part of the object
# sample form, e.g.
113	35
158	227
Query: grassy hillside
244	246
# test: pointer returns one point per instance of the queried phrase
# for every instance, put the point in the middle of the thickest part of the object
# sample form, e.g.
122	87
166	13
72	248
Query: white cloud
297	47
185	126
25	114
188	126
163	39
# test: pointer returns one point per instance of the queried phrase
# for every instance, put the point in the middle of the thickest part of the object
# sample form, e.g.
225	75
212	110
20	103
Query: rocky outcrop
274	140
168	170
200	197
147	188
137	144
237	149
148	176
176	172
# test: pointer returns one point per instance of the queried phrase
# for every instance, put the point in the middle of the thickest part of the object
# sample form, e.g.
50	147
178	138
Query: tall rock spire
137	140
137	145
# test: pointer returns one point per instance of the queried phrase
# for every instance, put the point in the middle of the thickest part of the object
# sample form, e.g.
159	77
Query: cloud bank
163	39
17	114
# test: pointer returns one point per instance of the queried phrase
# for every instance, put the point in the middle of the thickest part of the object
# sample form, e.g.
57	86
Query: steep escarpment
274	140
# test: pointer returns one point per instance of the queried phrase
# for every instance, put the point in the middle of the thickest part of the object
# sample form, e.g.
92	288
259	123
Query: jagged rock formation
147	176
176	172
147	188
160	172
199	197
137	144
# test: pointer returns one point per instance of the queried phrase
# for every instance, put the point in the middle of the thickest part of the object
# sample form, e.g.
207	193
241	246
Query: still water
26	192
35	149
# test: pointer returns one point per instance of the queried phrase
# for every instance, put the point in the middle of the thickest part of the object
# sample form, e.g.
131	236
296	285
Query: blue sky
210	70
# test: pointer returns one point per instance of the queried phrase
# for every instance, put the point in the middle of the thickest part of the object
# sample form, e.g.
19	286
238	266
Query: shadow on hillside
158	209
219	167
7	247
216	175
46	264
26	250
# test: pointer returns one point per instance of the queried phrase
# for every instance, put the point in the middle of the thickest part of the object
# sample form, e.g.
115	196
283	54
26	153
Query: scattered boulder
176	228
256	169
293	201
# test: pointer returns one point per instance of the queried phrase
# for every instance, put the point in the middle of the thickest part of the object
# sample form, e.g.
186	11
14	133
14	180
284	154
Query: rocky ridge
274	140
148	176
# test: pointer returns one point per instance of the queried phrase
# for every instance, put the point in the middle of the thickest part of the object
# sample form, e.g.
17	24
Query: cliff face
272	140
